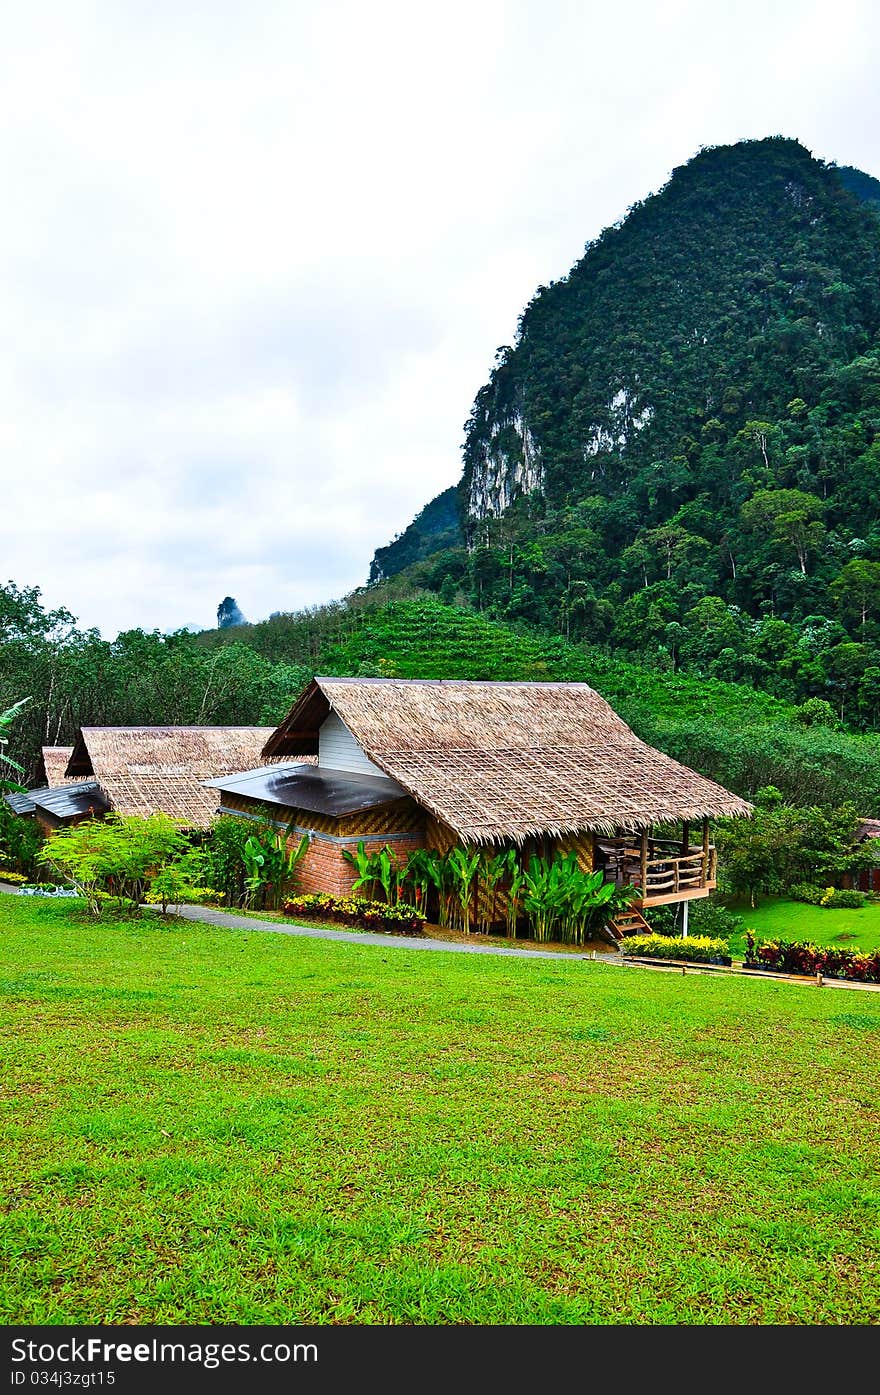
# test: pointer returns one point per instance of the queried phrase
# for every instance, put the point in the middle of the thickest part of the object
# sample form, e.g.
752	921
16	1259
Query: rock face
716	300
716	305
228	614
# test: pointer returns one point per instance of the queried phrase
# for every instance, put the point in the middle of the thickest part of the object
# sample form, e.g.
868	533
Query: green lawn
793	920
215	1125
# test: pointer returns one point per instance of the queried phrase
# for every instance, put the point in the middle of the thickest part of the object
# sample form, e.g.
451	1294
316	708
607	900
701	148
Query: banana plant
464	864
386	869
492	869
270	863
418	874
515	879
8	785
364	864
439	870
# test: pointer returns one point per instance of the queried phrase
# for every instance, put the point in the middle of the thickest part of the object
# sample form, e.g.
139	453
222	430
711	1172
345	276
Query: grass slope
203	1125
792	920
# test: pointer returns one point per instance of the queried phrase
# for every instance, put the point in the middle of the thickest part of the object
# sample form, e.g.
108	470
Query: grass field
208	1125
793	920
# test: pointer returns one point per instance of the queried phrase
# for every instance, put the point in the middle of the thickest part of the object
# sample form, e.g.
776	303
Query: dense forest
680	456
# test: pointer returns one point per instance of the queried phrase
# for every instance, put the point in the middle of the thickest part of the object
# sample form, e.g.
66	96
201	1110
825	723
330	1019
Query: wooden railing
661	874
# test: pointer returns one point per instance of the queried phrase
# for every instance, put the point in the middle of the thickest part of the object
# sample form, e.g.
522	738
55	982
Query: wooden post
644	863
705	851
685	839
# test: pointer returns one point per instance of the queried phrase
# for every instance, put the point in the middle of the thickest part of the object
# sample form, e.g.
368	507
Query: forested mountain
680	456
435	528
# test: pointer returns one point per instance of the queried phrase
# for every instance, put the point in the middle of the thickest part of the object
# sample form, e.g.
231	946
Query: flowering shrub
789	957
401	919
13	878
839	898
835	898
696	949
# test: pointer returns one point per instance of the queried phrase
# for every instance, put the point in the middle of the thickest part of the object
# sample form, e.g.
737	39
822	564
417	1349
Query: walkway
365	937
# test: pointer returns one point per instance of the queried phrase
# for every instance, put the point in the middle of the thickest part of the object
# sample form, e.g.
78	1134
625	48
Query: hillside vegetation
250	674
680	455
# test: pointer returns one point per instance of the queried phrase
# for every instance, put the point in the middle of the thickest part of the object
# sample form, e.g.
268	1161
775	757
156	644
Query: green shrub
696	949
810	895
843	899
710	918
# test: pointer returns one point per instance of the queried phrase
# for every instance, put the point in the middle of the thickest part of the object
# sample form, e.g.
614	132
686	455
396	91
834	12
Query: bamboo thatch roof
55	760
145	770
507	760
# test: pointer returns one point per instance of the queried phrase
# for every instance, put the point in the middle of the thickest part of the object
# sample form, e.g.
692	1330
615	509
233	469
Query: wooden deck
661	870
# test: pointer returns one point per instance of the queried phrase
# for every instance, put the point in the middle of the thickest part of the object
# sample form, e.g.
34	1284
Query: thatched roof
506	760
54	761
868	828
144	770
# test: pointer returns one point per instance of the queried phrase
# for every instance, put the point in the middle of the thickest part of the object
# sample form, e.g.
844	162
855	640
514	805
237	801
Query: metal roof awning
314	789
22	803
71	801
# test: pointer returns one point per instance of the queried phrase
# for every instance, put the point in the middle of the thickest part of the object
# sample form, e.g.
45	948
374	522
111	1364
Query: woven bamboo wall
582	844
439	836
403	817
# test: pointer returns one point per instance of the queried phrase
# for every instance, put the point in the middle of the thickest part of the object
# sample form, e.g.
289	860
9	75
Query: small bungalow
140	770
543	766
148	770
869	878
52	803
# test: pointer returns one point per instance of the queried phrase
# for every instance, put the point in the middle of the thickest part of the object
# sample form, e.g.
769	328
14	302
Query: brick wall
324	869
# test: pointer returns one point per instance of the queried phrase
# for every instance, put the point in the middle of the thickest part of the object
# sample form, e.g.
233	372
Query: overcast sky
256	258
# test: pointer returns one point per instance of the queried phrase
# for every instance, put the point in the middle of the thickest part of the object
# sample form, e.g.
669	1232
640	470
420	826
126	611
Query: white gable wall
338	750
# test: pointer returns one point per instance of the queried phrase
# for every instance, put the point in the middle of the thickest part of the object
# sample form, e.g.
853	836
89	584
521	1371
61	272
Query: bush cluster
12	878
696	949
401	919
833	898
842	898
790	957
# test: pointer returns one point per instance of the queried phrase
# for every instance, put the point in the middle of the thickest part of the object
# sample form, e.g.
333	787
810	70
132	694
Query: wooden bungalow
544	766
869	878
139	770
48	803
52	771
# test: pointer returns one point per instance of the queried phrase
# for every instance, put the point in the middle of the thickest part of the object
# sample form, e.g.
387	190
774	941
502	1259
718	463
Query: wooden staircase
629	922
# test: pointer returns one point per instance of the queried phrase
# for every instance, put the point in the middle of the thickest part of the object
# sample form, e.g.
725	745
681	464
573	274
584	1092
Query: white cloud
256	260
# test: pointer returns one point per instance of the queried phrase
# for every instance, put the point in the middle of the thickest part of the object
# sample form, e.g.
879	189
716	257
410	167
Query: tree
114	857
857	589
7	764
789	516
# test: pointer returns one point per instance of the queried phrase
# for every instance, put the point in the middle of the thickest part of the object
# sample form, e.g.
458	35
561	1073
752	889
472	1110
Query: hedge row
696	949
401	919
789	957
